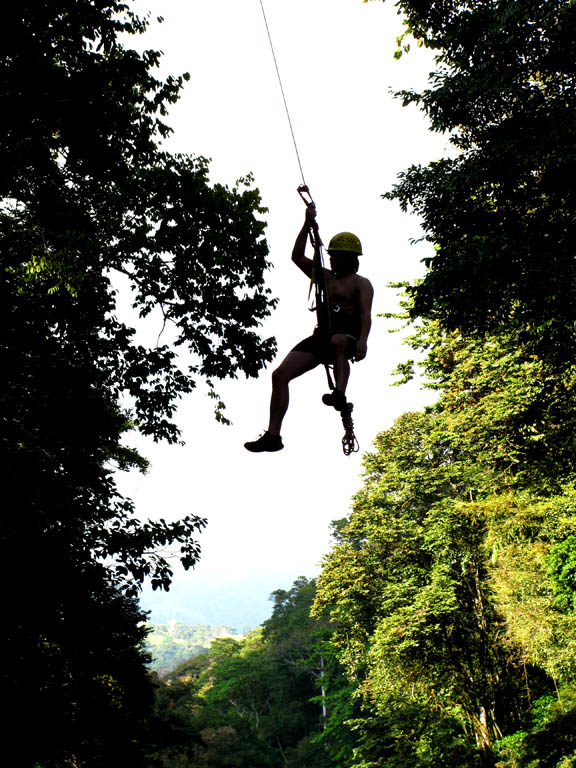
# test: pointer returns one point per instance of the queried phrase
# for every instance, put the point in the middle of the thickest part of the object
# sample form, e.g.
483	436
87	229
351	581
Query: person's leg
340	350
294	364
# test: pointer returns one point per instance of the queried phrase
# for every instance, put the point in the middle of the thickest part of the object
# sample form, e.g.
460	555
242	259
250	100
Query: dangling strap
320	286
318	276
329	377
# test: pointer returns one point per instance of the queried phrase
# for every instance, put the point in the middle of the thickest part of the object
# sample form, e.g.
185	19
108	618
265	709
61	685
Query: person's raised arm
299	251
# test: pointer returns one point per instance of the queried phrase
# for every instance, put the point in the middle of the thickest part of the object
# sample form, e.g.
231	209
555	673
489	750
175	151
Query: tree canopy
451	584
91	202
499	210
442	628
275	697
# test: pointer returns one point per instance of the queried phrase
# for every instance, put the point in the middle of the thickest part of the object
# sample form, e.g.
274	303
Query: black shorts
319	345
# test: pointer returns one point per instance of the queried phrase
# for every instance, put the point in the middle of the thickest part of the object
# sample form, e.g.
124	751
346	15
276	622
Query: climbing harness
318	280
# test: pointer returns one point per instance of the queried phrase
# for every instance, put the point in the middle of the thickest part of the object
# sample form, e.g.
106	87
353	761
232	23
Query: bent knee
280	376
339	342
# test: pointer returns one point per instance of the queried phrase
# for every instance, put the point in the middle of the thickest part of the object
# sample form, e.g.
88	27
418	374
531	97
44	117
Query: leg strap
329	377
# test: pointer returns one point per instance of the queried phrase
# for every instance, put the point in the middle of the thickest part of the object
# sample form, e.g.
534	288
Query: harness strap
329	377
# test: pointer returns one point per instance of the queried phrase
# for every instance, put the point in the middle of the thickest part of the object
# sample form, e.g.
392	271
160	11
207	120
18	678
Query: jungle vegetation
446	610
442	627
90	198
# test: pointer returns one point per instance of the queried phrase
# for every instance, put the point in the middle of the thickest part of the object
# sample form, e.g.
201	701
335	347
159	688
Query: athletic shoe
265	442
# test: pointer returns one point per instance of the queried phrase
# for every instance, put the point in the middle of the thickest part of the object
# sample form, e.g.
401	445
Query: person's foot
265	442
336	398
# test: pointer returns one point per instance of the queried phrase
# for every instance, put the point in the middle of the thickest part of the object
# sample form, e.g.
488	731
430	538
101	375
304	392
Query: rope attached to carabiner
349	442
282	91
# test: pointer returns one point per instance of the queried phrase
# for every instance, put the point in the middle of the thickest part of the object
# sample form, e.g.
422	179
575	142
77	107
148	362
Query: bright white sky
269	514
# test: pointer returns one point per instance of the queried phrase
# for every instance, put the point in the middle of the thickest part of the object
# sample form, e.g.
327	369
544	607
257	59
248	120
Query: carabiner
302	191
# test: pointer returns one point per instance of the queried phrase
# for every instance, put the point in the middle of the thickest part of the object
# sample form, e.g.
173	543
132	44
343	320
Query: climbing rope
349	442
282	91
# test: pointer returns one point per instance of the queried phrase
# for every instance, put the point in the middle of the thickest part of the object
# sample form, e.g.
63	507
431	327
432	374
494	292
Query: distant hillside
241	603
171	644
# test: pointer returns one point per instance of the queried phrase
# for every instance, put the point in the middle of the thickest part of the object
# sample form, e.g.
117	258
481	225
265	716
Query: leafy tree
451	583
86	679
409	590
548	740
302	645
562	569
89	197
500	210
527	533
277	697
509	408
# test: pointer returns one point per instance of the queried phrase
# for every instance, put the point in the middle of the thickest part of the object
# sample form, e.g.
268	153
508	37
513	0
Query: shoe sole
253	449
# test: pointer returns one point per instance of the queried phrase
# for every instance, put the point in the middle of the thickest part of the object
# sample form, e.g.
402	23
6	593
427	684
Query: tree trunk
484	738
323	694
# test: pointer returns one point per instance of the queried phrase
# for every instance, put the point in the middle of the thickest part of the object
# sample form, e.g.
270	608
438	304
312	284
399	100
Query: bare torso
344	292
349	294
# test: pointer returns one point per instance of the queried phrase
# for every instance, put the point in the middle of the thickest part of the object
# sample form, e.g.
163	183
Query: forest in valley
441	630
170	644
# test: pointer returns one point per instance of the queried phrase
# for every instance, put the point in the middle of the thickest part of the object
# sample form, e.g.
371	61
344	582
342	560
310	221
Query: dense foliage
500	211
277	697
452	585
89	201
443	624
169	645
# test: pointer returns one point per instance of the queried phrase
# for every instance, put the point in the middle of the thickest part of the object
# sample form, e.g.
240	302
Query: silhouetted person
350	299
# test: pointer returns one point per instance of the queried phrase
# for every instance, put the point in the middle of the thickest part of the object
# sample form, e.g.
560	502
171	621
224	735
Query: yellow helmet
345	241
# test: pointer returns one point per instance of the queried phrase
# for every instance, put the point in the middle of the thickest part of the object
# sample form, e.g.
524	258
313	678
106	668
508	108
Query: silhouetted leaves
91	204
